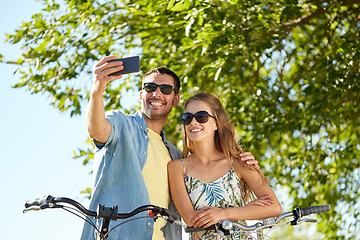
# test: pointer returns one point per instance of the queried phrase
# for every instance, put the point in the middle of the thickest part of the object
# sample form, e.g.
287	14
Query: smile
156	103
195	130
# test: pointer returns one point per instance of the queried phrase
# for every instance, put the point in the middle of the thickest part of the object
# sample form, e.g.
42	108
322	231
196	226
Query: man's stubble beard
160	116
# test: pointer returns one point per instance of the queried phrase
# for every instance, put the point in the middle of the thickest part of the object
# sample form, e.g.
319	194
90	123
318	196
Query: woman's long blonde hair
224	139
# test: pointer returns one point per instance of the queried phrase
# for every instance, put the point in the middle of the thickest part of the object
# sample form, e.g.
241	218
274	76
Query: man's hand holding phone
111	68
130	64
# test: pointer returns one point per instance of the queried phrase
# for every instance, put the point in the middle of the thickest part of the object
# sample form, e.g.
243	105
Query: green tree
287	72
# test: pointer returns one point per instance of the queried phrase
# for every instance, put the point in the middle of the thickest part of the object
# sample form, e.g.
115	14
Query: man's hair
164	70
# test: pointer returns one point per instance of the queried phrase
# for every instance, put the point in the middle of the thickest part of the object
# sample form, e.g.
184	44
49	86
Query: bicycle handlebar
37	201
269	222
50	202
102	212
315	209
105	213
112	213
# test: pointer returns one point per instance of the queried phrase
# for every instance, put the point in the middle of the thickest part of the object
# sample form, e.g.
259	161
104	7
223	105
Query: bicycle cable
82	216
132	219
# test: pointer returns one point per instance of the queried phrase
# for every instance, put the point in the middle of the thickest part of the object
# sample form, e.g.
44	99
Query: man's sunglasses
201	117
164	88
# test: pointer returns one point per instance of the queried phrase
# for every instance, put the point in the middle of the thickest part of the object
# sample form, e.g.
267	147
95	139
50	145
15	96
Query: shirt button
144	153
149	223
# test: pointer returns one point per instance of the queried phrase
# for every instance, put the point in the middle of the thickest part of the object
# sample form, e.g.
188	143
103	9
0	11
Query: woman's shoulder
250	174
238	164
175	168
175	163
178	163
244	169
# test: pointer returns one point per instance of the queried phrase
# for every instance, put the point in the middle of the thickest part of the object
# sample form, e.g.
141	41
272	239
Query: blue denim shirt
118	177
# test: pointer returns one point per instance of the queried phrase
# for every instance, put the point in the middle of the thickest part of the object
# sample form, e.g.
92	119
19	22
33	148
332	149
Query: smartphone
131	65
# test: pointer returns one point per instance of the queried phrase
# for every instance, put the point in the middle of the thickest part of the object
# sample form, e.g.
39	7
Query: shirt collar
144	125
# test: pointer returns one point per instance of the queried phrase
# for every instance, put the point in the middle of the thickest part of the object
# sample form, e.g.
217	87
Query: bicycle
223	228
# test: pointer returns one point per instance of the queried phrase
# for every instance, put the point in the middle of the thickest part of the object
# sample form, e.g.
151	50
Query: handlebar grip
38	201
315	209
199	229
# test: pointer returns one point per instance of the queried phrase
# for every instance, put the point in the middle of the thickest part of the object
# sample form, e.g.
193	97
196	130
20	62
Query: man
130	165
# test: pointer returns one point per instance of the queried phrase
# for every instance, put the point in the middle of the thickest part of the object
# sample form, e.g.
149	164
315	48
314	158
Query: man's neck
155	125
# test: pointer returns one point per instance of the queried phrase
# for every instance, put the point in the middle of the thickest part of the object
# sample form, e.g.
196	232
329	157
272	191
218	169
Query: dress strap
182	162
183	166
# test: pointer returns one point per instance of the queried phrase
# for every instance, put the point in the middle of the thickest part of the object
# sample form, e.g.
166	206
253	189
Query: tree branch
320	11
302	20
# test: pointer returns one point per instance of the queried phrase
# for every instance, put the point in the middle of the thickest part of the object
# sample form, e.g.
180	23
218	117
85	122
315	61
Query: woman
211	183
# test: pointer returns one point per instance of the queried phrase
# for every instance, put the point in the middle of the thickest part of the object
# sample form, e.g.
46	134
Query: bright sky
37	143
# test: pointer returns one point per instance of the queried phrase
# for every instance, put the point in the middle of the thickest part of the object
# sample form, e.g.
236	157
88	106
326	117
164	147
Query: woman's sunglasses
201	117
164	88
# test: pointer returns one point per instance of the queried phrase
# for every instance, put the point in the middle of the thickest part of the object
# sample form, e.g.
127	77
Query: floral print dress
225	192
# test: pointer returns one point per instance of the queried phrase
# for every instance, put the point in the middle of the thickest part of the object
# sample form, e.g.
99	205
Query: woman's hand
207	217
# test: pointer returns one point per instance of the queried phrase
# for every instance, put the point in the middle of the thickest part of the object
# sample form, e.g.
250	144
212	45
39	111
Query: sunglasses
164	88
201	117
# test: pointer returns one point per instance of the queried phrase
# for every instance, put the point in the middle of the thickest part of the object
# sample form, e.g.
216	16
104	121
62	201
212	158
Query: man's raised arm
98	127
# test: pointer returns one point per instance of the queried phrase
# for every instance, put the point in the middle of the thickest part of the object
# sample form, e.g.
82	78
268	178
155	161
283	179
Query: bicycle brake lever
308	220
42	206
300	221
31	209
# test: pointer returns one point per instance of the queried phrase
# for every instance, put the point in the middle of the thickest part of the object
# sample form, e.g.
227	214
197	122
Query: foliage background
286	71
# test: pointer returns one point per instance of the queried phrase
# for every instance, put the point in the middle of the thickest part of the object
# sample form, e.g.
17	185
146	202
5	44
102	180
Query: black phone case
131	65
